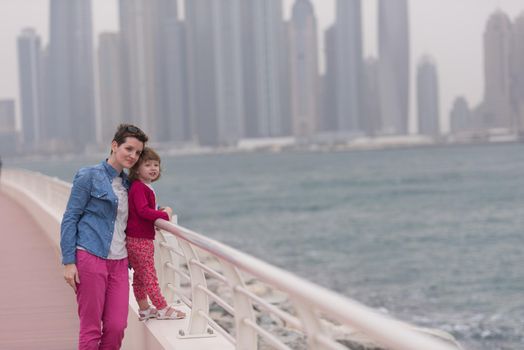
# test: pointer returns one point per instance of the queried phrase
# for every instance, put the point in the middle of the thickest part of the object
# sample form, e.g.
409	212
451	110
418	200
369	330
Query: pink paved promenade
37	308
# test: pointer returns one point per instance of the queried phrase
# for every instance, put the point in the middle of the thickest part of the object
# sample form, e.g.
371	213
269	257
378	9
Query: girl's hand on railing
169	212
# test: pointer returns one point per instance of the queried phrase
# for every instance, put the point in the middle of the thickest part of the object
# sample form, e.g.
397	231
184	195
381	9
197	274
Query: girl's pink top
142	211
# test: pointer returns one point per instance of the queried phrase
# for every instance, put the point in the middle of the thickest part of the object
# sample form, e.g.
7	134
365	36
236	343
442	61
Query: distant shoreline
167	150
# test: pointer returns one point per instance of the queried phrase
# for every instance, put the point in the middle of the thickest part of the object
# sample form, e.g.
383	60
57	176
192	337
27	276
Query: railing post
246	336
175	258
200	304
166	276
312	326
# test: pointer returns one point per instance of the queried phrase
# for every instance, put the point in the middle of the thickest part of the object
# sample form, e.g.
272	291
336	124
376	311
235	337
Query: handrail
309	296
309	300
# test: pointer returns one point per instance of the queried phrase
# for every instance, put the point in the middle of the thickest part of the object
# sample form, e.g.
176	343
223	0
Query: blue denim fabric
91	211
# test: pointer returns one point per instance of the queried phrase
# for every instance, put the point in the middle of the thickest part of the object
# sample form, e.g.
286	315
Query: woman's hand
71	275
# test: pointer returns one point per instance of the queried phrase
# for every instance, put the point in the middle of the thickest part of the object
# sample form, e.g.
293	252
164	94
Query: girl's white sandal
148	313
175	314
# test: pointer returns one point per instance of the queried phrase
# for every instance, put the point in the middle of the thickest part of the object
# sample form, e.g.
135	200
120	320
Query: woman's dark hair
128	130
147	154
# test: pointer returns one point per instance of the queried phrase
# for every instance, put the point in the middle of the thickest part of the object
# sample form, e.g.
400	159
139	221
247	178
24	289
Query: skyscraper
251	58
304	69
110	81
171	77
394	67
349	66
229	90
371	98
460	116
264	53
137	29
30	61
71	116
215	70
201	77
7	115
328	118
285	80
517	71
428	97
497	112
8	134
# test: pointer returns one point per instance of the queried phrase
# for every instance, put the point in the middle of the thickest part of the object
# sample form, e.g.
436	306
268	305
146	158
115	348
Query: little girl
140	235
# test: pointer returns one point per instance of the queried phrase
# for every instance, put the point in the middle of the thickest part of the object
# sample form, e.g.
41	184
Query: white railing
52	193
206	259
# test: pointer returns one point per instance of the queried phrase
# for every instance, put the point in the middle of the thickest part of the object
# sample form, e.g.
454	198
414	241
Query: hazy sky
449	30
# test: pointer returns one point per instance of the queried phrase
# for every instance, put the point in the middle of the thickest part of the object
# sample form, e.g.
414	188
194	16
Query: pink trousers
103	301
141	253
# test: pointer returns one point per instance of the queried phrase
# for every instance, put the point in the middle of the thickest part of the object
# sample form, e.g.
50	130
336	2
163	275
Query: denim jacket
90	215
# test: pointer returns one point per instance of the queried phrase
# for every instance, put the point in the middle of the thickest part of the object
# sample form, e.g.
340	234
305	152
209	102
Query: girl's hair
147	154
129	130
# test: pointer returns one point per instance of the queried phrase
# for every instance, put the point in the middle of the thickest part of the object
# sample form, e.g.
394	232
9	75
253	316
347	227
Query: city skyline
460	74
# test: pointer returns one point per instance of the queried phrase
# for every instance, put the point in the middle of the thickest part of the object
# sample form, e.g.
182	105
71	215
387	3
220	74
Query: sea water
433	236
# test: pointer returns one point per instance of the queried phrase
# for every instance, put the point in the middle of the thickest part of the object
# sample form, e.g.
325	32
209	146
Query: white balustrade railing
52	193
186	260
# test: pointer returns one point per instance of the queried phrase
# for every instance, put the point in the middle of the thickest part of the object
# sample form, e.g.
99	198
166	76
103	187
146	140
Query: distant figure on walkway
140	235
92	240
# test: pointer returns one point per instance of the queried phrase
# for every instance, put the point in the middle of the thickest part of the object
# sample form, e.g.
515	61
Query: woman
92	240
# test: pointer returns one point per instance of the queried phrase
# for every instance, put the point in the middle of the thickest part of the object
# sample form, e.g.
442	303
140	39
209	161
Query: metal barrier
184	255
